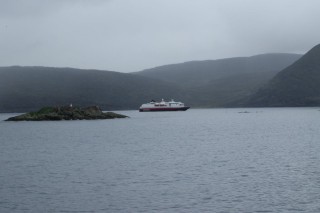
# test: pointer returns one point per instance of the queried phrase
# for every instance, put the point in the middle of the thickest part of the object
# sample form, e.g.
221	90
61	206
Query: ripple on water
215	160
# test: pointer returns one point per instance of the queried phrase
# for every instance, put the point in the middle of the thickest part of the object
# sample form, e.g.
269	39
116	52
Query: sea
250	160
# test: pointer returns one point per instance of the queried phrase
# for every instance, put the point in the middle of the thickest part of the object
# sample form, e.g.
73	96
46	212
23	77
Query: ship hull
163	109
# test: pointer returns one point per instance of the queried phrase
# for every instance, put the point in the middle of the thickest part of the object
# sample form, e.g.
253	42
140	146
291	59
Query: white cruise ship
163	106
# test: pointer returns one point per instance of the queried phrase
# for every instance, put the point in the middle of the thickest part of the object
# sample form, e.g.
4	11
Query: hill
216	83
195	73
224	82
30	88
296	85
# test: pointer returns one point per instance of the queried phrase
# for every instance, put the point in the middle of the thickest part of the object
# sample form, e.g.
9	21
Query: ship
154	106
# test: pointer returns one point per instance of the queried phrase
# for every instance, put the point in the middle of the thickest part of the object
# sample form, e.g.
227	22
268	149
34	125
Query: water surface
204	160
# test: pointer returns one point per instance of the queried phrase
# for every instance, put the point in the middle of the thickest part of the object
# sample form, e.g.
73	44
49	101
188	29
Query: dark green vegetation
263	80
297	85
198	73
66	113
224	82
24	89
214	83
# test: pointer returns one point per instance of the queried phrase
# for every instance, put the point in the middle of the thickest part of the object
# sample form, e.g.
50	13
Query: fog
131	35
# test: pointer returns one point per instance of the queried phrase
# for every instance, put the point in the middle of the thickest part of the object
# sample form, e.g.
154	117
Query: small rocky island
66	113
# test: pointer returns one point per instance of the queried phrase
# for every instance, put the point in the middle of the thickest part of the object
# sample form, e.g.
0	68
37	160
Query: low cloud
124	35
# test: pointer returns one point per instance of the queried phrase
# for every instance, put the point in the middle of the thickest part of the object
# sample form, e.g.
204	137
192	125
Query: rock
66	113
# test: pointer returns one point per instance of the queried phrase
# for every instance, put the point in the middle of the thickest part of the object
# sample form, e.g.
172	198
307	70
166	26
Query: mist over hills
211	83
223	82
29	88
297	85
197	73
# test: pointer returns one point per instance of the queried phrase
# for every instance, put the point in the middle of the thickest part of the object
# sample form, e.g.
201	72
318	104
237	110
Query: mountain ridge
27	88
194	73
222	82
297	85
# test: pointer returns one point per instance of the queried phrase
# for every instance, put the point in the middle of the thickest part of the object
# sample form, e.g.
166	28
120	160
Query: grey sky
131	35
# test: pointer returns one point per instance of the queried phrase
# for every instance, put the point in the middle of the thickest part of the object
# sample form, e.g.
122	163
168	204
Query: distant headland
66	113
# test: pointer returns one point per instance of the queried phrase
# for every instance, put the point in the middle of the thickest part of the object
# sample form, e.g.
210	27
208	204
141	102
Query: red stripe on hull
163	109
